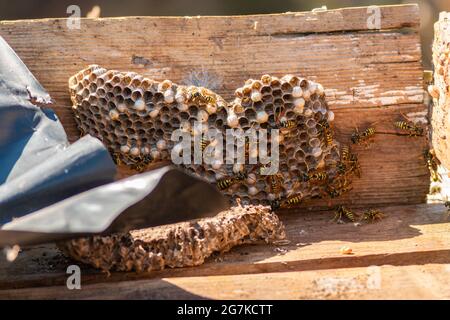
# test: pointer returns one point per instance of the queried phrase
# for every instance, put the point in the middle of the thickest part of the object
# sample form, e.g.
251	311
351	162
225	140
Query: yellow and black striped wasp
342	165
294	198
432	164
291	201
285	126
371	215
348	162
201	97
341	211
345	153
326	132
204	142
342	185
138	163
314	176
354	165
276	184
275	181
364	136
411	128
116	158
225	183
240	177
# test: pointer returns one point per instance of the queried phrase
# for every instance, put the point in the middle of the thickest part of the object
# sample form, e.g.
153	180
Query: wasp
116	158
225	183
427	77
288	124
284	125
372	214
198	97
141	162
355	167
435	189
362	137
82	132
412	129
314	176
204	143
432	164
250	147
341	168
292	201
276	181
345	153
339	189
342	164
341	211
138	163
326	132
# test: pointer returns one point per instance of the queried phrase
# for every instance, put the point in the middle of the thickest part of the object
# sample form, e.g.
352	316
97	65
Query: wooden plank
408	236
347	64
428	281
393	170
369	75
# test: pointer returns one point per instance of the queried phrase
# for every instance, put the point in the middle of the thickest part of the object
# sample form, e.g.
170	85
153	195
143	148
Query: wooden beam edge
321	21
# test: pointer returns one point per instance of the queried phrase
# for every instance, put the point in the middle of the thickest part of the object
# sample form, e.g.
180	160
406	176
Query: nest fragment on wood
178	245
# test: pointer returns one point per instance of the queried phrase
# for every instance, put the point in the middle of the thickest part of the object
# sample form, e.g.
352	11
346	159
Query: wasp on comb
314	176
227	182
201	97
325	131
292	201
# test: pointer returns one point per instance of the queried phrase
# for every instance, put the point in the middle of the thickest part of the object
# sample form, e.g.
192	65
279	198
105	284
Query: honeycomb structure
135	117
178	245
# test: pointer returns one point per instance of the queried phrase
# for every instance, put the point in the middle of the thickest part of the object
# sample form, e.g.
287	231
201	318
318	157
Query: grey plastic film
52	190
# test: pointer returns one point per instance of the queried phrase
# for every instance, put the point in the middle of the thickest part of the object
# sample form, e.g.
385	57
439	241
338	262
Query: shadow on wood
409	235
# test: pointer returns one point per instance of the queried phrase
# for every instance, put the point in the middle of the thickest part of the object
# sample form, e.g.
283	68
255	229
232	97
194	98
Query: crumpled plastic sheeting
51	190
38	167
163	196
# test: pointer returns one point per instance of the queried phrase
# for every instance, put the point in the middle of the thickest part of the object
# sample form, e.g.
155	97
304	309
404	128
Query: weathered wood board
369	75
404	256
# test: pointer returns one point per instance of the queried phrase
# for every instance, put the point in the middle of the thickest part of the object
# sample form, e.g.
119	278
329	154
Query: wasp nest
178	245
439	91
136	116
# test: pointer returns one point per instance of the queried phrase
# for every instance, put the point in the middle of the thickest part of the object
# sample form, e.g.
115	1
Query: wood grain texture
427	281
411	246
369	75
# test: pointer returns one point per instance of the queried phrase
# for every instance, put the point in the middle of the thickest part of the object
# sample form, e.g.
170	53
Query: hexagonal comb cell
135	118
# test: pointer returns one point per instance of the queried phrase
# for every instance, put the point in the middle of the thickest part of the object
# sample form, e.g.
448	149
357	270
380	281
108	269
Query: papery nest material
178	245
